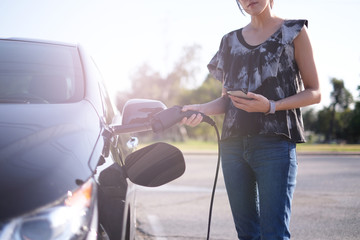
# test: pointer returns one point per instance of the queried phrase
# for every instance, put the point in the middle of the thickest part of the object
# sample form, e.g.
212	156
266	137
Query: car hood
44	151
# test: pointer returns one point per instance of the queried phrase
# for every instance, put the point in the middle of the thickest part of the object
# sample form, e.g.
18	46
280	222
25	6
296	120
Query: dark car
64	172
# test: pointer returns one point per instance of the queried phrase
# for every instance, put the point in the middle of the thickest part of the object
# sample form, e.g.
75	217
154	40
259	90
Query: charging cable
173	115
215	182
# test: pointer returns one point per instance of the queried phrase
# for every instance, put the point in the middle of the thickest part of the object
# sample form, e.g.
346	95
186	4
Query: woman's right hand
195	119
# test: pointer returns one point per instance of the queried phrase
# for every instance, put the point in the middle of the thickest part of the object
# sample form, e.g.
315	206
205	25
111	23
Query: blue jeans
260	178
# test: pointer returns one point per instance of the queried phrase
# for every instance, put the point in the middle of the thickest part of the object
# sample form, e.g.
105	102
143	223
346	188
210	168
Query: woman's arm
305	60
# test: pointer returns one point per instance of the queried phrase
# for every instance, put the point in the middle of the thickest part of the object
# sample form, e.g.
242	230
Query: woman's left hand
257	103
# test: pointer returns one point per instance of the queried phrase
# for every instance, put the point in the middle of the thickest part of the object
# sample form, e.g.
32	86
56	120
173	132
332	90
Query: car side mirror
155	165
137	115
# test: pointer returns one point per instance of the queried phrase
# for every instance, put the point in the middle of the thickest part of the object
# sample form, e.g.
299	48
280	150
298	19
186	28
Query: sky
123	35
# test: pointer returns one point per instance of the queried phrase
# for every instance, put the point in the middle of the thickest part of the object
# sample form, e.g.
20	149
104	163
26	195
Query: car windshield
39	73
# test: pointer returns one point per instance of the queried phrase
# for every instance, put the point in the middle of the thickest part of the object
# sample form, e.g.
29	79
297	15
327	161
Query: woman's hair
239	5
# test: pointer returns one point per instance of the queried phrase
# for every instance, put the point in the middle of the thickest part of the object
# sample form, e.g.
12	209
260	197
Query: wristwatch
272	108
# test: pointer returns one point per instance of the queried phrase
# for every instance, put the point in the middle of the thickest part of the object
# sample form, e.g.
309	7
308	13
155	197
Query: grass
328	147
193	145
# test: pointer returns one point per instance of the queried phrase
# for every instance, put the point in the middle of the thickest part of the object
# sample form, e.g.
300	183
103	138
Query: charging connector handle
169	117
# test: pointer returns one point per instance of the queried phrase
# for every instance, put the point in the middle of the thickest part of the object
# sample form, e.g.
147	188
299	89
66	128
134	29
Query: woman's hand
195	119
257	103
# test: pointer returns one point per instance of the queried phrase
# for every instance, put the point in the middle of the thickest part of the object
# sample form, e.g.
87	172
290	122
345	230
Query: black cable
167	118
215	181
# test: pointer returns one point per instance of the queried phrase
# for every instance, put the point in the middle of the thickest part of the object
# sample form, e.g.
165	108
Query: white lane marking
156	227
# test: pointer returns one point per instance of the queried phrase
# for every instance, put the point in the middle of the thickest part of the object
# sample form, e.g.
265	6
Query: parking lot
326	203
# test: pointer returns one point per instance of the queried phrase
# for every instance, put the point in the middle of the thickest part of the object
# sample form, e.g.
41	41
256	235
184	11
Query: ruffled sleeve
291	30
217	65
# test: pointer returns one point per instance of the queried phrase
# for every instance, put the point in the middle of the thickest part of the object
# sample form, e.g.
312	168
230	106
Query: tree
150	84
323	123
340	96
353	129
341	99
170	89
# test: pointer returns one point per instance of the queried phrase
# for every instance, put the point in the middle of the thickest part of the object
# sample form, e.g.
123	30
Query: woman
271	60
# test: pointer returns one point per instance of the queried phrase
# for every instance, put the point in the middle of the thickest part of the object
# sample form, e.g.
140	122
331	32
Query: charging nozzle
160	121
169	117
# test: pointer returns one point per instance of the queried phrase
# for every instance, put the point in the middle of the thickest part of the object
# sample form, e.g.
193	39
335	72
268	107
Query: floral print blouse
268	69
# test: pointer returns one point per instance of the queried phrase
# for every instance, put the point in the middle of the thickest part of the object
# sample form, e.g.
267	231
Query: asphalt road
326	204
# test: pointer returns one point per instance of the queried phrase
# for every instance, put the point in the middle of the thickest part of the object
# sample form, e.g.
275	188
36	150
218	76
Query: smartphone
238	93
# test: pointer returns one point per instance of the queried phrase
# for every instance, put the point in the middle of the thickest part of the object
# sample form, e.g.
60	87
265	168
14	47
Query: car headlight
68	219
